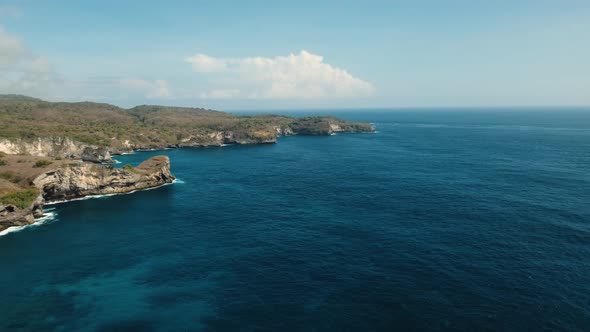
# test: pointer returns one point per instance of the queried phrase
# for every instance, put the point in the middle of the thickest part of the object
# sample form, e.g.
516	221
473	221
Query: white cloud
21	71
150	89
296	76
202	63
11	49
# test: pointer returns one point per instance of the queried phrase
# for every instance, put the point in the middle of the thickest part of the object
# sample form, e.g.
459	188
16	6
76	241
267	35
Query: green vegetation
146	126
3	162
42	163
130	168
21	199
10	176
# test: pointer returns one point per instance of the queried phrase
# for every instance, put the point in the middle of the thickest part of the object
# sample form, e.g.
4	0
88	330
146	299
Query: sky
234	55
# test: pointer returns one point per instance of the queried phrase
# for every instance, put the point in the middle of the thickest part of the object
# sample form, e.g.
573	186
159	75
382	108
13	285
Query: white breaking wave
147	150
48	217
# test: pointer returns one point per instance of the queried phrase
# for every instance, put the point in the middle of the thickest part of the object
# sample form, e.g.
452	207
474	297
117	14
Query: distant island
54	151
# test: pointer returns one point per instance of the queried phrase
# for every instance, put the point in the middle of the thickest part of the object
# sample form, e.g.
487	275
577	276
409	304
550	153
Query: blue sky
298	54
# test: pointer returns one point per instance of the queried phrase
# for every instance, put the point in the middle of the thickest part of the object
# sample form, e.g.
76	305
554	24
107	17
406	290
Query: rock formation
77	181
87	179
56	147
11	215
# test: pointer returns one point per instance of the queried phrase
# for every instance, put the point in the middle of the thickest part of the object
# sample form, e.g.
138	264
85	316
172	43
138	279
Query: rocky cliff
77	181
11	215
56	147
87	179
65	130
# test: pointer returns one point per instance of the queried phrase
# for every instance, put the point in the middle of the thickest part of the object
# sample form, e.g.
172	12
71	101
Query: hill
27	119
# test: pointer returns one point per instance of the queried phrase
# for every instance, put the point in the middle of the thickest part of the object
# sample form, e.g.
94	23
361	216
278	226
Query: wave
48	217
107	195
147	150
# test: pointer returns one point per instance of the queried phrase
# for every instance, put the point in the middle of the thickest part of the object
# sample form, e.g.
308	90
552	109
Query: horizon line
325	108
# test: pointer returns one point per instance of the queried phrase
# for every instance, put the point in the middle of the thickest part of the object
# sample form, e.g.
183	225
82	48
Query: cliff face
71	182
11	215
56	147
86	179
220	138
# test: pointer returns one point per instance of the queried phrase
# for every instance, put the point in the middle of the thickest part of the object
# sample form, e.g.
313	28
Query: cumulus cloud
203	63
11	49
296	76
21	71
150	89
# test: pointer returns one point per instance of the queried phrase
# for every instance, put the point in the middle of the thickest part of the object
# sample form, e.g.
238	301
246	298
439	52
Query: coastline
54	186
87	197
49	215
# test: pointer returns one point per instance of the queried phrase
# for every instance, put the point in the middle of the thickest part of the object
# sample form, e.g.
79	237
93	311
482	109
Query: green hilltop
151	126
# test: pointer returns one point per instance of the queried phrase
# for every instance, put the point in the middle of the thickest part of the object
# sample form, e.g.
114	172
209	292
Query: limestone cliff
77	181
87	179
11	215
56	147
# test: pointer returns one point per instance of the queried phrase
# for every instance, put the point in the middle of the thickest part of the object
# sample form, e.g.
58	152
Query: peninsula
55	151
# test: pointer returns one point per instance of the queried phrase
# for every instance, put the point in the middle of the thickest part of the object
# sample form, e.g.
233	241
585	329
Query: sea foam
48	217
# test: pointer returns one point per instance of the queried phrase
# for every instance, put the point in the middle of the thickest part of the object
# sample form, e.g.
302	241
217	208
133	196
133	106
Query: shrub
130	168
10	176
21	199
3	162
42	163
6	175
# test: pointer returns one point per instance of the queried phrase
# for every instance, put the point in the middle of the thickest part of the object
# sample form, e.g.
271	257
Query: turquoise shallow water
443	220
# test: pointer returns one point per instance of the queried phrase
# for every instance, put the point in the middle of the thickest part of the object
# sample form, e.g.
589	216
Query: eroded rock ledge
56	147
77	181
11	215
87	179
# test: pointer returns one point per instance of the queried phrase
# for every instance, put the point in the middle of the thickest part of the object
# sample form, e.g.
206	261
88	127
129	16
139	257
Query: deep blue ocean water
466	220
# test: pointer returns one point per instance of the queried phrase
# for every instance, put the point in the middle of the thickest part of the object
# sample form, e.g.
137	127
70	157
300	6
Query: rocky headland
61	151
78	180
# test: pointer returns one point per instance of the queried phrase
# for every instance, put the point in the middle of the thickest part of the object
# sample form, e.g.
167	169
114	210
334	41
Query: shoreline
87	197
222	145
49	215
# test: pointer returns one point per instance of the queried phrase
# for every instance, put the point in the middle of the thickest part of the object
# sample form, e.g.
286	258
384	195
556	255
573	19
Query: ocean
443	220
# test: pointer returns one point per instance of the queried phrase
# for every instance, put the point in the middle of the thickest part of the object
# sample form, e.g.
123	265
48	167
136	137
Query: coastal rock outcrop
84	179
56	147
96	155
87	179
220	138
10	215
